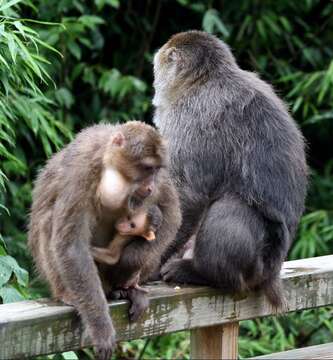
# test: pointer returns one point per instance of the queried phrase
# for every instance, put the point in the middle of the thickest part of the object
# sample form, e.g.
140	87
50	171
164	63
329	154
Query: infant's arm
111	254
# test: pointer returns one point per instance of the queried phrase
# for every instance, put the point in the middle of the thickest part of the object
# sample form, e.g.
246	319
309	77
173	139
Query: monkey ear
118	139
173	54
149	236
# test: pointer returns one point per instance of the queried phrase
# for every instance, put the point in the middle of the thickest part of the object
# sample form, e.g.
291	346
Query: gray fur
238	161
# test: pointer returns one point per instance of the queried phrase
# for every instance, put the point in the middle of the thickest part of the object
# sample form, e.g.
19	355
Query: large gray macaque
238	161
79	195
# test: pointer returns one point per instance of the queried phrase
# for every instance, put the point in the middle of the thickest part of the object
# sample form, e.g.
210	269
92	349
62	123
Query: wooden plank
324	351
215	342
41	327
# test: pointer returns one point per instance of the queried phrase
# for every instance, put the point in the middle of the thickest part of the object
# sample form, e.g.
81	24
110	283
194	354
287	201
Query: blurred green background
66	64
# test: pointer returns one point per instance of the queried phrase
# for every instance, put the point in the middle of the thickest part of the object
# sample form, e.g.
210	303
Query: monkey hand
104	340
138	287
137	297
175	271
139	303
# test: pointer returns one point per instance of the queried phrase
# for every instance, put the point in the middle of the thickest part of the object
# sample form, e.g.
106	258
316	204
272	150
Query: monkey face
133	158
144	177
132	183
146	181
130	226
138	152
135	225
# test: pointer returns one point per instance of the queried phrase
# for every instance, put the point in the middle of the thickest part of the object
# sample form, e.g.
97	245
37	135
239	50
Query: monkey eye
132	225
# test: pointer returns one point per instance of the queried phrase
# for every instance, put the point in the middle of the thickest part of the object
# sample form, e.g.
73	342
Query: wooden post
215	342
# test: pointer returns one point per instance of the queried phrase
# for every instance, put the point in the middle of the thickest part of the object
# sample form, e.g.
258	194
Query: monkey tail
278	244
278	248
274	292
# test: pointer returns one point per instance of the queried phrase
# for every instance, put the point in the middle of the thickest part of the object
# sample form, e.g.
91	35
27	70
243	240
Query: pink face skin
146	187
132	225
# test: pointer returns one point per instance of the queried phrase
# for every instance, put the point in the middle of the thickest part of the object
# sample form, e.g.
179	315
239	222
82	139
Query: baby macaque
143	223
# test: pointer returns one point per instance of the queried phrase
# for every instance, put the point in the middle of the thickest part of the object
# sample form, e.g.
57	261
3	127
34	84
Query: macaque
140	259
238	160
106	171
143	223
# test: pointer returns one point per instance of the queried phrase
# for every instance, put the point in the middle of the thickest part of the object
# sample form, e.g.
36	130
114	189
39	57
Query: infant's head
143	222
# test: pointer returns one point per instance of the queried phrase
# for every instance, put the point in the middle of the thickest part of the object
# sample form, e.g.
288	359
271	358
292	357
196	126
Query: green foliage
26	120
25	116
173	346
92	87
65	64
315	235
275	334
13	279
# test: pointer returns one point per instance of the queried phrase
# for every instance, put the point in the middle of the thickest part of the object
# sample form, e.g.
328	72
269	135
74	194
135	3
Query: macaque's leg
74	264
56	284
190	222
225	248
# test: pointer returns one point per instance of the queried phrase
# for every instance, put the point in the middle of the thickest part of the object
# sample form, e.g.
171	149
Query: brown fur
143	223
145	255
67	218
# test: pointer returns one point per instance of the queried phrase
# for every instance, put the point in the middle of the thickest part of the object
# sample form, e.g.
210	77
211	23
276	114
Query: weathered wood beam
316	352
32	328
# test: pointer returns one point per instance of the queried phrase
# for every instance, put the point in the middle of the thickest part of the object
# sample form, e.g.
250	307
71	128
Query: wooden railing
31	328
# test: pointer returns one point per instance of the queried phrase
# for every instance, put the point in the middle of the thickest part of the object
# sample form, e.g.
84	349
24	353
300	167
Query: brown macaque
106	171
143	223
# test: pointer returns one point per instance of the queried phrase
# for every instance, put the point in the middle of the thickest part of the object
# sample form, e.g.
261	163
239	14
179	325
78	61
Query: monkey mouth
143	193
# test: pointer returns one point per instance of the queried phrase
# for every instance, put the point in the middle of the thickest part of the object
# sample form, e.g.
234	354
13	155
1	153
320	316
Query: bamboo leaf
3	60
19	27
12	46
9	4
28	58
47	46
